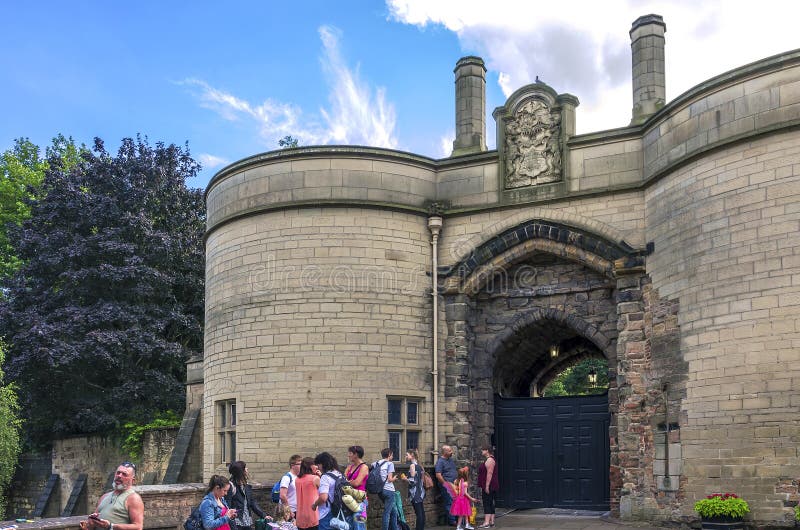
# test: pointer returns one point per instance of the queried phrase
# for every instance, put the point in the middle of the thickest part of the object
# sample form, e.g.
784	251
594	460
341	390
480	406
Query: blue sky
233	80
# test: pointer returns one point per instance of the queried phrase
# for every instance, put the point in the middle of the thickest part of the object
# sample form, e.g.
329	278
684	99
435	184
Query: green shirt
112	507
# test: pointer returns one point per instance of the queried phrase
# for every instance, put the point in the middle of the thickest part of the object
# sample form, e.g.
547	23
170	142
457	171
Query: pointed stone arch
571	243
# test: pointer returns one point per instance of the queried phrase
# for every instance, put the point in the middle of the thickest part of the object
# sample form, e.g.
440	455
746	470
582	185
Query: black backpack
335	501
195	520
375	482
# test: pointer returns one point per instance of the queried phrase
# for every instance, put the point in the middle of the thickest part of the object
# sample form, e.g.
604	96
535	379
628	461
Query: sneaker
469	527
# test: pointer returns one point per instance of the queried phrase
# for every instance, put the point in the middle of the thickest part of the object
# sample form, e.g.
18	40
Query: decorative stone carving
532	145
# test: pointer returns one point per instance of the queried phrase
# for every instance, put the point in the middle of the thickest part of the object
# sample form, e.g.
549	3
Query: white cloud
355	116
210	161
584	48
446	144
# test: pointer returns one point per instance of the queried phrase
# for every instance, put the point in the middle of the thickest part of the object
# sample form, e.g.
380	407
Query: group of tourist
306	492
306	489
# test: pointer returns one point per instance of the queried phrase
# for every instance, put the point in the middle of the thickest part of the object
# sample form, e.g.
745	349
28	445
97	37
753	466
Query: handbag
427	481
339	522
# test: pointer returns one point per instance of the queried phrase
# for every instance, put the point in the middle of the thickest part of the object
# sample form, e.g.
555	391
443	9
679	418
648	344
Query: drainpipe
667	481
435	226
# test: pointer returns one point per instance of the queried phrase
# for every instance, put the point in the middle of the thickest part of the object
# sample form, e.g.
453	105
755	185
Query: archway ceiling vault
526	357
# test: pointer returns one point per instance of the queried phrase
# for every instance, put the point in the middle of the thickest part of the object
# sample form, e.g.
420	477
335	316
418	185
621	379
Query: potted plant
722	511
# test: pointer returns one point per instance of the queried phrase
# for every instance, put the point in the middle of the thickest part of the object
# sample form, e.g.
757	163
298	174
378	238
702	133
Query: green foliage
21	174
107	304
797	513
722	505
133	432
10	426
288	141
574	381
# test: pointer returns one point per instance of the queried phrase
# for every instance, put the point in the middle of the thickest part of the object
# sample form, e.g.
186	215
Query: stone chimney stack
647	50
470	106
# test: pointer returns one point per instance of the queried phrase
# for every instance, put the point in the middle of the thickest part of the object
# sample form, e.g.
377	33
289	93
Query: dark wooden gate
553	452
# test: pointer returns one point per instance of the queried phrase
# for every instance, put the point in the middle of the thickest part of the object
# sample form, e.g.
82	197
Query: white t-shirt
386	468
291	492
326	484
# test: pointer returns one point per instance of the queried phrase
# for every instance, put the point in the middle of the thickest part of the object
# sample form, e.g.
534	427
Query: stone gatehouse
669	247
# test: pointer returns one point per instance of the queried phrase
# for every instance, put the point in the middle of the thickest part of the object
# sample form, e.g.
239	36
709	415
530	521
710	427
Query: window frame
225	421
404	427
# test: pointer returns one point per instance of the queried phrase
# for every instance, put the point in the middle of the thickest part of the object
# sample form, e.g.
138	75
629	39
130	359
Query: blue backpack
276	489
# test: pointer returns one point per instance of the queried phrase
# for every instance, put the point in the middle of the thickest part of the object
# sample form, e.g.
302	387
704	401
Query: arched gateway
523	305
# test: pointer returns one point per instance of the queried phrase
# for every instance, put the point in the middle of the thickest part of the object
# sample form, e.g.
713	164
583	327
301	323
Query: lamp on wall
553	351
592	377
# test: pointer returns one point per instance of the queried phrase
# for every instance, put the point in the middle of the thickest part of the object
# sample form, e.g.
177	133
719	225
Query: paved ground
553	520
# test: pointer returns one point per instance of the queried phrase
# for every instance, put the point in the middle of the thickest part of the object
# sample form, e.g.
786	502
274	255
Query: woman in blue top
214	511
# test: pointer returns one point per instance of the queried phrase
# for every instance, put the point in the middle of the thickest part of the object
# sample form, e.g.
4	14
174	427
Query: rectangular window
395	414
226	430
394	443
403	420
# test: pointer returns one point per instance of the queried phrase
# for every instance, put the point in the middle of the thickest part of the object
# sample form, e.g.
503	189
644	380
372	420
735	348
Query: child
462	508
283	519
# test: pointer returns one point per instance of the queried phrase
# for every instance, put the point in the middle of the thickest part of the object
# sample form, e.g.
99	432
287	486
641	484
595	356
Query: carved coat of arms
532	145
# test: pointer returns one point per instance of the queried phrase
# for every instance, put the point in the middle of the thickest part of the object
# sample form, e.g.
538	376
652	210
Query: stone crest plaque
532	145
533	129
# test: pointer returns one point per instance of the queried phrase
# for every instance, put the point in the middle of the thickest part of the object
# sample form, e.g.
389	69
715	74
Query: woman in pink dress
462	500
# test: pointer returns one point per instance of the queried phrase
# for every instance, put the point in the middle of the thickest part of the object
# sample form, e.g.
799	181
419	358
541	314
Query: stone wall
167	507
157	446
726	230
313	317
95	456
33	470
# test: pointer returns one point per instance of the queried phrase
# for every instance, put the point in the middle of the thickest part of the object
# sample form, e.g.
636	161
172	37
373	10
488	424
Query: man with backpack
331	482
288	495
382	475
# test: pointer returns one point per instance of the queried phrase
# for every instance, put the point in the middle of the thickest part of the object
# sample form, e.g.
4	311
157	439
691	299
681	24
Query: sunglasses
130	465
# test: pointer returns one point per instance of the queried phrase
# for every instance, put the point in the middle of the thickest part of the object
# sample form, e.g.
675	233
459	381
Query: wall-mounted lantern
554	351
592	377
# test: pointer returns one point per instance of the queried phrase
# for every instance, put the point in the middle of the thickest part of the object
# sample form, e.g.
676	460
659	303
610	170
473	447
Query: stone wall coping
321	151
194	488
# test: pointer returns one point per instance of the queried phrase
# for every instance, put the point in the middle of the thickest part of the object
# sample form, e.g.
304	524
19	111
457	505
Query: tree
21	174
574	381
9	435
108	303
288	141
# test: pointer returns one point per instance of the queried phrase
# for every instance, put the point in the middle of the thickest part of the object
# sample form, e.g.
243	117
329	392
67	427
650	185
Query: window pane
223	414
395	415
411	407
222	453
412	440
233	413
232	455
394	444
